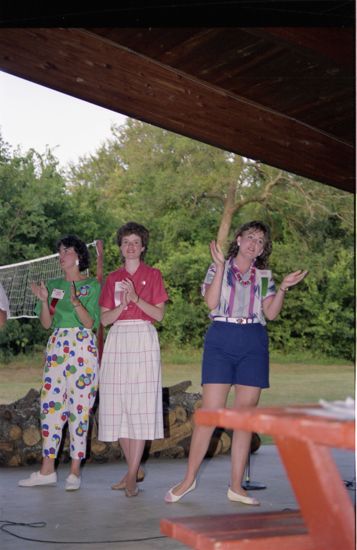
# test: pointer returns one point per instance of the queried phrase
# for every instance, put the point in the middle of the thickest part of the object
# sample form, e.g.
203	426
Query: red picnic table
304	436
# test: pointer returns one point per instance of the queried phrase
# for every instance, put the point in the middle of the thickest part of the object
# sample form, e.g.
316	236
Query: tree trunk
228	211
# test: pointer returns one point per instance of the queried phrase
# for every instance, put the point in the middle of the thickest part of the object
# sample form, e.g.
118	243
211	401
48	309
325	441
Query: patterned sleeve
270	289
209	278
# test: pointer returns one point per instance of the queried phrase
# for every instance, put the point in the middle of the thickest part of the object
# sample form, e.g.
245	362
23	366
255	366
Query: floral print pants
69	389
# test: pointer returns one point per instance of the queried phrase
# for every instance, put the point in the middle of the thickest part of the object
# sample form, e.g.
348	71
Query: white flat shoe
236	497
171	497
37	479
73	482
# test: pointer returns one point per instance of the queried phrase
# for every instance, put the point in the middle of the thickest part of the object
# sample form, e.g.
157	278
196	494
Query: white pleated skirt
130	390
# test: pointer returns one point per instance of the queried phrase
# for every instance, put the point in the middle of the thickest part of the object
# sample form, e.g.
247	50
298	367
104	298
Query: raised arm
213	290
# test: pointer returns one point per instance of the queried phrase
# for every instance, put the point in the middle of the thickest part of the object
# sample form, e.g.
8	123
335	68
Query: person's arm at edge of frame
3	317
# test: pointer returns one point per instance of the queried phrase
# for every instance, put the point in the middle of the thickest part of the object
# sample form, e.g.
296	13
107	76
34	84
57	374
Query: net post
99	248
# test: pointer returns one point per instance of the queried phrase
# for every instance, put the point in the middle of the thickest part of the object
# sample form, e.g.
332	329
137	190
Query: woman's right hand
40	291
216	253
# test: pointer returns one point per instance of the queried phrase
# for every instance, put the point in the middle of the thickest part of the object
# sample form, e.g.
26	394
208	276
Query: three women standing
239	291
130	404
69	306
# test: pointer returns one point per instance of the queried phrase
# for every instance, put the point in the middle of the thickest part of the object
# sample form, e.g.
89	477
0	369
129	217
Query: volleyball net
17	278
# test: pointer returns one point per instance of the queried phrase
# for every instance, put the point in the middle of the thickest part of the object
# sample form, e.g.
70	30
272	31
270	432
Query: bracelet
284	289
77	305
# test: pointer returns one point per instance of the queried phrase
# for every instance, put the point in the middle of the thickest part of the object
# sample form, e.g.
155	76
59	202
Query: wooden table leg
319	489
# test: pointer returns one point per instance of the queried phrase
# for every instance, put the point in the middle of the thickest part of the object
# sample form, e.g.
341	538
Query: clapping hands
130	294
40	291
216	253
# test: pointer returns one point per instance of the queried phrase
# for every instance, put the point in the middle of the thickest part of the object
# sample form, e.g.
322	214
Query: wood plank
283	422
251	531
320	492
332	43
84	65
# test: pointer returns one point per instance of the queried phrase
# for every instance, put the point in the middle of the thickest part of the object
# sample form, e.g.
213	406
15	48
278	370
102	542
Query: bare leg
136	449
47	466
214	396
125	445
131	449
245	396
75	466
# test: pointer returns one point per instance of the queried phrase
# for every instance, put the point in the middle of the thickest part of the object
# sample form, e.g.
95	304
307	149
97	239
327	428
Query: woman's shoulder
116	274
149	269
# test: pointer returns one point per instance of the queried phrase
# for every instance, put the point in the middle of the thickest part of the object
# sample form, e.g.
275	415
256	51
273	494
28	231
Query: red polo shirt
148	285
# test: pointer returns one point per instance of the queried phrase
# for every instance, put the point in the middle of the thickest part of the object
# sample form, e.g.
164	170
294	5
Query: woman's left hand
130	291
293	279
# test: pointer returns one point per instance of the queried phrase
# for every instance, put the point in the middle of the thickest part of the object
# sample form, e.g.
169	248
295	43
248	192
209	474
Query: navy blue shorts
236	354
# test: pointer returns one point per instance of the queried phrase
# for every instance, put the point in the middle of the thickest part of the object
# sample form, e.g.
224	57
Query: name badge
57	293
118	293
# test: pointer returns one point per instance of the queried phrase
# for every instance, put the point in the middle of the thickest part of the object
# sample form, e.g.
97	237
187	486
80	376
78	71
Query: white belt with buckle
237	320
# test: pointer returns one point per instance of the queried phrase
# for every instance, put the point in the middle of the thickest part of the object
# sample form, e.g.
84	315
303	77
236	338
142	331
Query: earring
77	262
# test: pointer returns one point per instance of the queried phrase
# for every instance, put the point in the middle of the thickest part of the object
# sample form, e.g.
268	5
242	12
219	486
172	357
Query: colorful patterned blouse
241	295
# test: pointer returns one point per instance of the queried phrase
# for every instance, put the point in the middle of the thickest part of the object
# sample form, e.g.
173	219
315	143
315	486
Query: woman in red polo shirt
130	407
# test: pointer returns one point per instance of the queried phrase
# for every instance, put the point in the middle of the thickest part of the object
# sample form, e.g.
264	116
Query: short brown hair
131	228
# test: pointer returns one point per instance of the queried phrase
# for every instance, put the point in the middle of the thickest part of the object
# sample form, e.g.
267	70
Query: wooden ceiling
282	95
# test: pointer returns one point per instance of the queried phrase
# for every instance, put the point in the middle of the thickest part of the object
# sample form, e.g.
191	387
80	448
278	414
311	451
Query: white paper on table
341	410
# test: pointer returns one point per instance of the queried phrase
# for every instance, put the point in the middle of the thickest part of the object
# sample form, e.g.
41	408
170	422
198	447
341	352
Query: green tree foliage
36	208
188	193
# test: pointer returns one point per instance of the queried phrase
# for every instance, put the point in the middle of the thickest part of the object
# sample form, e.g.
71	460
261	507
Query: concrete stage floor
107	519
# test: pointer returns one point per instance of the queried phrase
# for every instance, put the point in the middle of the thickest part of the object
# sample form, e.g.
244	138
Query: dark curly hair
261	262
80	247
133	228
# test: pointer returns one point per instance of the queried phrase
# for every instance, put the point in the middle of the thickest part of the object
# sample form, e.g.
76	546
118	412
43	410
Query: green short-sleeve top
65	315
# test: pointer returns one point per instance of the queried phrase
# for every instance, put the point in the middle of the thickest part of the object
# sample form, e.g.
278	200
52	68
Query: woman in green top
69	306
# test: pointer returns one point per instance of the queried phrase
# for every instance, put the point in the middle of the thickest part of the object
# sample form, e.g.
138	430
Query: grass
298	379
